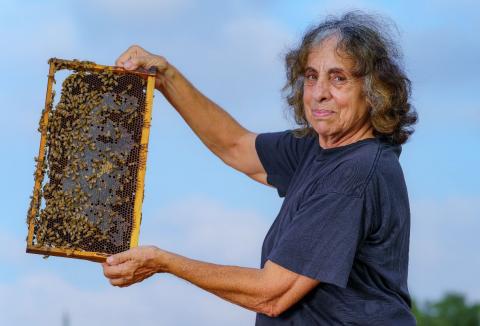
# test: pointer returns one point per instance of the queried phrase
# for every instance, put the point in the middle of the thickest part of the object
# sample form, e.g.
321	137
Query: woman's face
333	98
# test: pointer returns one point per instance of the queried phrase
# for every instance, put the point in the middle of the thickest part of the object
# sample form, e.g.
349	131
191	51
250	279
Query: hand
135	58
134	265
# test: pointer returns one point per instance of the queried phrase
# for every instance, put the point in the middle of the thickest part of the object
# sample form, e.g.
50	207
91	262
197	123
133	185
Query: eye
338	79
310	78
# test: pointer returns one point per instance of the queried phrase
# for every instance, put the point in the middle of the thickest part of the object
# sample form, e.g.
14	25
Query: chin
321	128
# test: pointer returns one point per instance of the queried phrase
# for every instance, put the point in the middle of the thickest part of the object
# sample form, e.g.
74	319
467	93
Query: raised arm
224	136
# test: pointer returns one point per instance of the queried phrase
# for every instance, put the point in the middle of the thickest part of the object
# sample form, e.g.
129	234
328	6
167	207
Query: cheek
343	100
307	96
350	112
351	105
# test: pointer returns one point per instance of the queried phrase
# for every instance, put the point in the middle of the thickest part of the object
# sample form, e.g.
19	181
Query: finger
114	271
132	51
125	281
140	61
124	57
119	258
121	282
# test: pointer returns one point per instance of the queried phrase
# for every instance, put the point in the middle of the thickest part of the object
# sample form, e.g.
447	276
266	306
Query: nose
321	90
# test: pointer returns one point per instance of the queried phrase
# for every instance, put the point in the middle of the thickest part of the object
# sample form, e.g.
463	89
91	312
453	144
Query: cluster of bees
91	161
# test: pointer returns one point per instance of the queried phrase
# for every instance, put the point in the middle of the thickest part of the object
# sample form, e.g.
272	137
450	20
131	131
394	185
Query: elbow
271	306
278	310
272	310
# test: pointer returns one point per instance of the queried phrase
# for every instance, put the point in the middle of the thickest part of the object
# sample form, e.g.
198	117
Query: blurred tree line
451	310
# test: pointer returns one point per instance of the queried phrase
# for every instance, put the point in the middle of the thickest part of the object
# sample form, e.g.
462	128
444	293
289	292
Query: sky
194	204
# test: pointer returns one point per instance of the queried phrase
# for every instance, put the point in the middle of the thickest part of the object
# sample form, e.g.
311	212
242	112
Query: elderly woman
337	253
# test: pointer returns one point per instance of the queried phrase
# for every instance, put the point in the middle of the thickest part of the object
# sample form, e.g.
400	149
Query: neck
365	132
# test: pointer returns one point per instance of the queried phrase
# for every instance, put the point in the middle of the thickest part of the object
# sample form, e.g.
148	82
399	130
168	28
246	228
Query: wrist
165	74
162	260
168	71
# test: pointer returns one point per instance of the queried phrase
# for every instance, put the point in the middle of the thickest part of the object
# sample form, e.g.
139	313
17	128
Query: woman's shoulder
288	140
349	169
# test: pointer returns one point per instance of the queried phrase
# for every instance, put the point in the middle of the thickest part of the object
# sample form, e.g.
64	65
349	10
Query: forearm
270	290
243	286
215	127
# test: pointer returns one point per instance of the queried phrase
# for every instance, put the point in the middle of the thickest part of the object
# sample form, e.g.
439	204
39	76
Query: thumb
118	258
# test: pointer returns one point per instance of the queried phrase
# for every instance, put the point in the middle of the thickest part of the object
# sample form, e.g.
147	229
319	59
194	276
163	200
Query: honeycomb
90	170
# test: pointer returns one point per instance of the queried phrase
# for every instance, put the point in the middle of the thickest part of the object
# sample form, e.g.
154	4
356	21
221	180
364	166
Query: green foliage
451	310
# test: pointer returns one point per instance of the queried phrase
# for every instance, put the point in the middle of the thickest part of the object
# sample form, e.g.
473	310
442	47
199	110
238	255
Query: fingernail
109	260
128	64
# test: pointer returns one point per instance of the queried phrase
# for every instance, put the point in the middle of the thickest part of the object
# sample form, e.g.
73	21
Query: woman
337	253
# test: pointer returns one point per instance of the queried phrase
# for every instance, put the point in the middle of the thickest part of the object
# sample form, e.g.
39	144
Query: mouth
322	113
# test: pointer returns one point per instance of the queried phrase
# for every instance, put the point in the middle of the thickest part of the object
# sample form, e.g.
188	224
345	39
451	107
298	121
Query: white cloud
444	247
237	60
11	248
42	299
205	229
444	256
197	227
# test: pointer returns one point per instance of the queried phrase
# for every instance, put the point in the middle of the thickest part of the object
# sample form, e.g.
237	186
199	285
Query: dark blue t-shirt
345	221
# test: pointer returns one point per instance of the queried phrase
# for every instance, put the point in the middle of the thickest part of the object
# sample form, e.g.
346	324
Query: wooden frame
59	64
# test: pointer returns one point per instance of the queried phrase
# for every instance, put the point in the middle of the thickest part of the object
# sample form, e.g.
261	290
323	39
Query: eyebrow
333	70
336	70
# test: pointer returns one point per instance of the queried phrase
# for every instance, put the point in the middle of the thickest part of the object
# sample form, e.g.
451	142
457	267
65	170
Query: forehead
326	55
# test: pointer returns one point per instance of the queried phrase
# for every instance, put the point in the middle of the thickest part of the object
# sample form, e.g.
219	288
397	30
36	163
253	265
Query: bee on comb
88	188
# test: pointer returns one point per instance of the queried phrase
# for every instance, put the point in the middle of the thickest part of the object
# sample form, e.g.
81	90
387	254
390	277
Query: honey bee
82	108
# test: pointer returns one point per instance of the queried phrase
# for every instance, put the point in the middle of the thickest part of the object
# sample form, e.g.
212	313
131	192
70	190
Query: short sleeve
321	240
280	154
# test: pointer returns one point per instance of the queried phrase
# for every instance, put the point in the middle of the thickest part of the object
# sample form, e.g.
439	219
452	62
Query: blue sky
196	206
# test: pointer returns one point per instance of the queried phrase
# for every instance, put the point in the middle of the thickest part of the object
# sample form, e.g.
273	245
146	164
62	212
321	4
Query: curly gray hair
377	61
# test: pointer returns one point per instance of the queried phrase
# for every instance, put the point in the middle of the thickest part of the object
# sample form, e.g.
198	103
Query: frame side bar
77	65
41	154
137	208
86	255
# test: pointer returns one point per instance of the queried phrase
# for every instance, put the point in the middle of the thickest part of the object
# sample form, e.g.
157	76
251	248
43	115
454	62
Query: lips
322	113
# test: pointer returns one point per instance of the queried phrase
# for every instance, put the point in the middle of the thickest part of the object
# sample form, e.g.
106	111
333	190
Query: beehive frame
34	210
